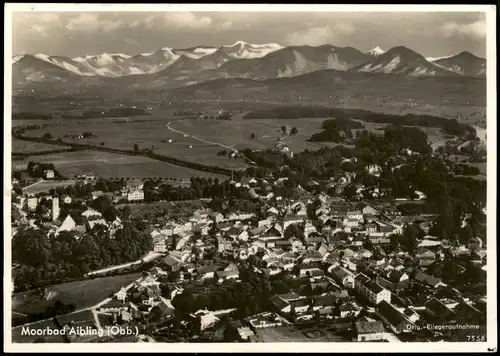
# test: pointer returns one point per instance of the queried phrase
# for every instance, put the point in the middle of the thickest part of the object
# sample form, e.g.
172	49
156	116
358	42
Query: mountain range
170	68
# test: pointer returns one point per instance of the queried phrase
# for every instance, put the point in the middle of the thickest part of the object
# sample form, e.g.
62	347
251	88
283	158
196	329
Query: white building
135	195
122	294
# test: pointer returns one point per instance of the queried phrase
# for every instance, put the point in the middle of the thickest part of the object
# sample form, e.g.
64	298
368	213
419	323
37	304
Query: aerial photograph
248	177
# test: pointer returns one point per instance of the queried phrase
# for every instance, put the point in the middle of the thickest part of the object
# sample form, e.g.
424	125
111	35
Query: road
149	257
206	141
199	139
92	308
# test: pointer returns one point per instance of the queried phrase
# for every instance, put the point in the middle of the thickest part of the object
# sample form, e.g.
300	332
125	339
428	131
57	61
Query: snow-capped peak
433	59
377	51
17	58
237	43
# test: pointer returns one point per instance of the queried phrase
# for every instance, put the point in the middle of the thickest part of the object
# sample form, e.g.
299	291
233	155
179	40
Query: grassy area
237	133
84	294
47	185
21	146
147	134
105	164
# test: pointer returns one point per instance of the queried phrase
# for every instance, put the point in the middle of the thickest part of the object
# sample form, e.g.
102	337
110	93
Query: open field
105	164
46	185
81	319
84	294
147	134
21	146
237	133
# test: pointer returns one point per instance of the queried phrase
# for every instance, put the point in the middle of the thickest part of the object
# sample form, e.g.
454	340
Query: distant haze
75	34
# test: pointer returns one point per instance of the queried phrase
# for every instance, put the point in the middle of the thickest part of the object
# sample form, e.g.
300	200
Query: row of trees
44	259
448	126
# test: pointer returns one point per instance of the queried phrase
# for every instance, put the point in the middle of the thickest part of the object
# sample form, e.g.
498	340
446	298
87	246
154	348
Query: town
260	257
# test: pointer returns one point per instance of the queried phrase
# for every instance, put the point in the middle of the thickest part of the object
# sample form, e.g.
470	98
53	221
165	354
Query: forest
448	126
336	130
46	258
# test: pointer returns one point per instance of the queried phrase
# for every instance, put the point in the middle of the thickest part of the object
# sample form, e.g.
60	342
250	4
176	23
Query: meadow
21	146
47	185
84	294
196	140
112	165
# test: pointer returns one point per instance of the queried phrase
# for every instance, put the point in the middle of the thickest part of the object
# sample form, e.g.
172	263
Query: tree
252	136
136	147
294	131
102	143
283	129
47	136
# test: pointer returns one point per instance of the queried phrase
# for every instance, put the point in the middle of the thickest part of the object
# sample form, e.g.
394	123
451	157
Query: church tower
55	209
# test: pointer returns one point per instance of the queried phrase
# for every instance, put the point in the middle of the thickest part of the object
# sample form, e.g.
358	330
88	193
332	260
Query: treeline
46	152
87	114
395	139
448	126
336	130
43	259
173	160
36	170
30	116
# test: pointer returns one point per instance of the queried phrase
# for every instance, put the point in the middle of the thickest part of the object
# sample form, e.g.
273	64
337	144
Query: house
205	272
264	320
342	276
371	290
393	318
370	331
97	194
424	256
48	174
32	203
467	313
225	275
349	309
292	219
91	213
135	195
306	267
122	294
438	311
67	225
429	280
373	169
205	319
420	195
368	210
89	225
354	215
393	280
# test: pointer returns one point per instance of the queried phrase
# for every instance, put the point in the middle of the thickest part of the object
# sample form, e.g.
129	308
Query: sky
86	33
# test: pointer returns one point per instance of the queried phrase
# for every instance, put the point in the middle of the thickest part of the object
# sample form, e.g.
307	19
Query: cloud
319	35
177	19
39	29
91	22
476	30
